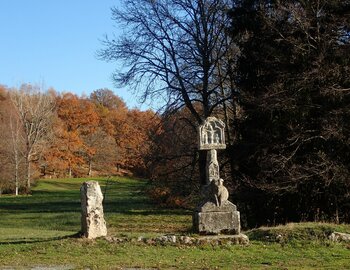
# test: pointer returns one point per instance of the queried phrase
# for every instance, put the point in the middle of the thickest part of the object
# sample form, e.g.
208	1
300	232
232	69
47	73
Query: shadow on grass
47	207
121	206
18	242
126	198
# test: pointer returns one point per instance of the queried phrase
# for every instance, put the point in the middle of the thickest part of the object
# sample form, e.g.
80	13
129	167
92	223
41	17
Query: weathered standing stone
339	237
93	224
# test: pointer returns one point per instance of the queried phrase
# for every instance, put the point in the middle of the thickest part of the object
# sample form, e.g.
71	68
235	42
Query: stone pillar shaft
212	166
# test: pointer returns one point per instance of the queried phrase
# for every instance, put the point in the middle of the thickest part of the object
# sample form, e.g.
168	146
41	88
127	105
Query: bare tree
16	140
35	111
11	146
102	151
173	49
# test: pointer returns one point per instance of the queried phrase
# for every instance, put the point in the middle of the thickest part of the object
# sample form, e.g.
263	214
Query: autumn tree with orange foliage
75	118
98	135
129	128
136	140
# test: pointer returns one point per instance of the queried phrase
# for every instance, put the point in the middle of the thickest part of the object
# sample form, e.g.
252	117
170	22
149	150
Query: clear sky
54	42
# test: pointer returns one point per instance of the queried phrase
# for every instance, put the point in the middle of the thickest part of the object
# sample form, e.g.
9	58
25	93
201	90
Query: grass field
40	231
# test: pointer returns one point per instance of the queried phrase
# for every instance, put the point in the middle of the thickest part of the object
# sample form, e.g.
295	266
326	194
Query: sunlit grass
55	205
40	230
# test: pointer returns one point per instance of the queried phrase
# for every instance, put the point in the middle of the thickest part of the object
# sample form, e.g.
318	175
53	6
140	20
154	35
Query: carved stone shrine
215	214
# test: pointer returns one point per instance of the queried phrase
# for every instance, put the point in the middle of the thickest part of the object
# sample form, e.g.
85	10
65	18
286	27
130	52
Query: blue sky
55	42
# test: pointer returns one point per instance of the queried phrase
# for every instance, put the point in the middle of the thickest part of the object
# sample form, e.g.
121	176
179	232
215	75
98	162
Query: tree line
50	135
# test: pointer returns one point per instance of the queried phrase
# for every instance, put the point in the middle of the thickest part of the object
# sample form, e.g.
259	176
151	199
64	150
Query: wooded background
276	72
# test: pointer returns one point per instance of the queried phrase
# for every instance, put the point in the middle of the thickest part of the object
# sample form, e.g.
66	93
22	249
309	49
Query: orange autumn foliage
134	137
77	114
76	117
99	136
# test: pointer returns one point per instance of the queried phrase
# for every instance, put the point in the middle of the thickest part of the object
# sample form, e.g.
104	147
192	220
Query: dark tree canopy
293	76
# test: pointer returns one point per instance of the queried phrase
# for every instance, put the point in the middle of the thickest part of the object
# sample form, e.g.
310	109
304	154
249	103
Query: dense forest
276	72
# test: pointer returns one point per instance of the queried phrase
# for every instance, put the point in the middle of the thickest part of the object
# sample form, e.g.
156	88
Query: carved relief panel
212	134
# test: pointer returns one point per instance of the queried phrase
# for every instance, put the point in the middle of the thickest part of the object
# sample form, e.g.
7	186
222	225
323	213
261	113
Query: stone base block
216	222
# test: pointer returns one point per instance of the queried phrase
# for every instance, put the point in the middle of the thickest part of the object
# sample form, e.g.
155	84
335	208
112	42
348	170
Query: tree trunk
16	159
90	168
16	175
337	221
28	173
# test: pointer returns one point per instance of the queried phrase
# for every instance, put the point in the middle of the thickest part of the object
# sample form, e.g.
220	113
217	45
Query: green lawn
40	230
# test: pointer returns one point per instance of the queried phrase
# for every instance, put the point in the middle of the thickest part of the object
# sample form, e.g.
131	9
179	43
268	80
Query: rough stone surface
339	237
93	224
211	218
239	239
212	166
215	192
216	222
209	206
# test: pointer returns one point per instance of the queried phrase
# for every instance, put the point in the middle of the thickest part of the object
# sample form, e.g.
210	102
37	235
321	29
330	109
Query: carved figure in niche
217	138
205	138
210	135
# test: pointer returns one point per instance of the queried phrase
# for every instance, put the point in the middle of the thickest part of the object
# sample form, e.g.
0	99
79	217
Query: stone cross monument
215	214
